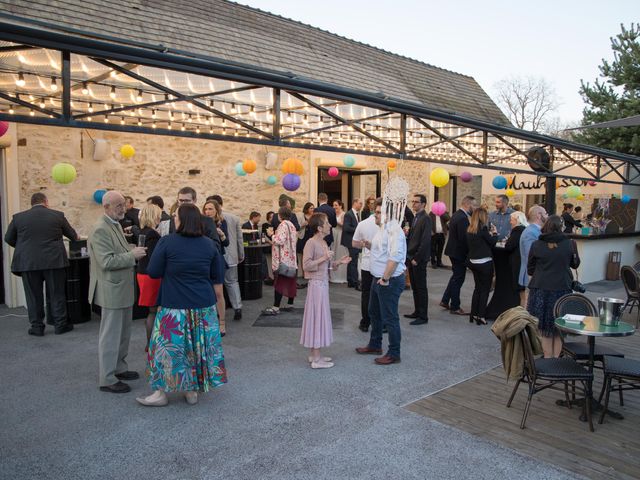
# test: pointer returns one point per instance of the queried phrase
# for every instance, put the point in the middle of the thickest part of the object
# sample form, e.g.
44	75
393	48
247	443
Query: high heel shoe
191	397
480	321
472	319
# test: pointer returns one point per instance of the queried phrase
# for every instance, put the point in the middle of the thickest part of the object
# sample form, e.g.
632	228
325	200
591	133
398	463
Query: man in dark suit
457	250
253	223
187	195
284	201
40	256
439	225
323	207
349	224
132	214
418	253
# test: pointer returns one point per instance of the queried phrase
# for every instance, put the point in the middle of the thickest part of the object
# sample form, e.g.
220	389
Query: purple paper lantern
466	177
4	126
291	182
438	208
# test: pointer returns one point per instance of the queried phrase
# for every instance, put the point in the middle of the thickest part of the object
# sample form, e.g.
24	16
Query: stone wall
160	167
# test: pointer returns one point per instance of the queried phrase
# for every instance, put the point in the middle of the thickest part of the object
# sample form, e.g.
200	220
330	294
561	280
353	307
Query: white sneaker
323	359
321	364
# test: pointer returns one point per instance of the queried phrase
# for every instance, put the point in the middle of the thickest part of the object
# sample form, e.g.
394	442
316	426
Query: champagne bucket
610	310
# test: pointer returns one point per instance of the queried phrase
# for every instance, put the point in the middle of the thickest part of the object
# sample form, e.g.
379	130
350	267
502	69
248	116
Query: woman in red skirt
149	220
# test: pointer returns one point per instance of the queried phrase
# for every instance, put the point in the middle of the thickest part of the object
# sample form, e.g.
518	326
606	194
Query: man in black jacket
323	207
457	250
187	195
351	220
40	256
418	254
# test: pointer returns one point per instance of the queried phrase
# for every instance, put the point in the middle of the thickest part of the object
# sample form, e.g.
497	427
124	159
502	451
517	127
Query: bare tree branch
527	101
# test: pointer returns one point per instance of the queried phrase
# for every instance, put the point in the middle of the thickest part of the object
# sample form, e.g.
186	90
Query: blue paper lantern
97	196
291	182
239	170
272	179
625	199
499	182
349	161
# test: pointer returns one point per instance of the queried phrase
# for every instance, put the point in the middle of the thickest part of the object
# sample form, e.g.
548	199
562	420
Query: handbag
576	284
284	269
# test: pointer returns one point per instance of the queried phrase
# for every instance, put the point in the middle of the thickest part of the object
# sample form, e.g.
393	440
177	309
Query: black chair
578	304
626	371
631	282
636	267
543	373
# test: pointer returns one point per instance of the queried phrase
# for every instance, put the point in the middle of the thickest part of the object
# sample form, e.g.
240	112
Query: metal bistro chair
636	267
626	371
543	373
631	282
578	304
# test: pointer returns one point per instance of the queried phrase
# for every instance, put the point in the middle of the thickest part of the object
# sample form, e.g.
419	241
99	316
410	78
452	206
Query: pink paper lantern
333	172
438	208
4	126
466	177
592	183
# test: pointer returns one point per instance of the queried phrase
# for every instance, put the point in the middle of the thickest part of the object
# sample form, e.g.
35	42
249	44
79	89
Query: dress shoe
368	350
238	314
301	285
386	360
191	397
321	364
407	287
411	315
357	288
153	400
419	321
36	332
268	282
444	305
322	359
63	329
458	312
363	328
118	387
128	375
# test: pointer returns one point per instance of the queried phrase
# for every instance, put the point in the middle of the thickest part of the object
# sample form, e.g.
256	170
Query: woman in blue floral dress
185	351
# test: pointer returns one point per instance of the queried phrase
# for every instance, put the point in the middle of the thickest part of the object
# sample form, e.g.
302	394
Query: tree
527	101
615	95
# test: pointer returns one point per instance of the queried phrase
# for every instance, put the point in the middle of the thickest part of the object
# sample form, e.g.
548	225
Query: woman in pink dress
316	323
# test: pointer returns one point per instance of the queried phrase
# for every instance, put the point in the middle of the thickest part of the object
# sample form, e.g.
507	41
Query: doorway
349	184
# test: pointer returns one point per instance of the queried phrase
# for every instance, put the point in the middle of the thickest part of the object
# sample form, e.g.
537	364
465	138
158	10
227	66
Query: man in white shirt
363	236
388	254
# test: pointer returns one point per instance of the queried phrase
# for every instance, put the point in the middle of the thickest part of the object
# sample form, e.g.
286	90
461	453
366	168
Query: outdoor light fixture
89	119
224	130
211	130
169	126
42	104
20	82
139	122
189	119
31	112
182	127
211	103
113	93
90	109
289	114
153	125
106	119
139	97
305	119
85	88
224	122
153	114
113	73
198	129
233	108
54	85
11	109
122	121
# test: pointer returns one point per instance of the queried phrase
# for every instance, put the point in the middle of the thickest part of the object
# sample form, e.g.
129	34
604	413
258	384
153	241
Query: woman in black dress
512	246
481	243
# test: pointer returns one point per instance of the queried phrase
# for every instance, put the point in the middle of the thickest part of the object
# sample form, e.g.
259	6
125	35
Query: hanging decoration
592	183
4	126
394	202
510	192
239	170
272	179
438	208
392	165
466	177
291	182
499	182
565	196
625	199
249	165
63	173
293	166
127	151
349	161
333	172
580	197
573	191
439	177
97	196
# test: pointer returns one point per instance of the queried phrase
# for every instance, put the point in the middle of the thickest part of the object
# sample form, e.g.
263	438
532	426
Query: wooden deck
553	434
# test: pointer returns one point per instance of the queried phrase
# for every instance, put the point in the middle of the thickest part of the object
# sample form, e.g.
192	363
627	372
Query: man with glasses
187	195
501	218
537	216
388	254
418	254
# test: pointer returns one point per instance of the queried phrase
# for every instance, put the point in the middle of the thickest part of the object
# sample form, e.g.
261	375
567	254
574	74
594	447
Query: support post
550	195
66	85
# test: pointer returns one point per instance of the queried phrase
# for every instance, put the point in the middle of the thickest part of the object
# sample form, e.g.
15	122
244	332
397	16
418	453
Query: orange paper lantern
249	165
292	166
392	164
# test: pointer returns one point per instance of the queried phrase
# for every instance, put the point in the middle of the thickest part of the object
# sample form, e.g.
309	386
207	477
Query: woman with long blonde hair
212	209
481	243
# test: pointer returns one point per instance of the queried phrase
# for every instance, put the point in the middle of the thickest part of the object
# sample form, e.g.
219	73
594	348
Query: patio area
277	418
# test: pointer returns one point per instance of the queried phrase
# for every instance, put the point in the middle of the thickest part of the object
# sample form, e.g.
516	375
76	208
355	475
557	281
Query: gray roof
233	32
633	121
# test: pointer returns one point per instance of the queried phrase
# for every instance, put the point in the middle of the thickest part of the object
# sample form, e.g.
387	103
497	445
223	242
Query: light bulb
139	97
113	73
20	82
139	122
182	127
121	120
106	119
31	112
54	84
90	109
170	126
11	109
198	129
113	93
233	108
85	88
224	131
153	114
154	125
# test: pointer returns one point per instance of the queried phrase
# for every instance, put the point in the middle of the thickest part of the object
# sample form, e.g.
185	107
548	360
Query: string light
90	109
154	125
113	73
233	108
139	97
54	85
31	112
85	88
122	121
42	104
11	109
170	126
182	127
106	119
20	81
139	122
153	114
113	93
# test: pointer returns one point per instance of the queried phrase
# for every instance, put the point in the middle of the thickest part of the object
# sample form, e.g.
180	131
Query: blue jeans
383	311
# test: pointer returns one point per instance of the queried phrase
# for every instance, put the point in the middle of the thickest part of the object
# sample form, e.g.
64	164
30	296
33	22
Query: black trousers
451	295
54	282
352	268
482	276
437	247
365	285
419	290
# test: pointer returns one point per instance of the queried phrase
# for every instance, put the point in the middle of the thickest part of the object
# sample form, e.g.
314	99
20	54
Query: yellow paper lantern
510	192
249	165
293	166
127	151
580	197
392	164
63	173
439	177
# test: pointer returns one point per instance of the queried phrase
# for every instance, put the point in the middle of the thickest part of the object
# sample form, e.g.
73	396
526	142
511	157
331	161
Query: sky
562	41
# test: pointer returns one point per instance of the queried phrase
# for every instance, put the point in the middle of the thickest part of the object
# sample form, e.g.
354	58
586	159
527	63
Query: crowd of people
185	263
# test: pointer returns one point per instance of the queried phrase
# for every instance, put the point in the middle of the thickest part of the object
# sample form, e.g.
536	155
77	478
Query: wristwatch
385	280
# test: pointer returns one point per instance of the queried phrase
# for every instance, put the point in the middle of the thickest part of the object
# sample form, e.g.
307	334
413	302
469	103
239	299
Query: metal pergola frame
474	143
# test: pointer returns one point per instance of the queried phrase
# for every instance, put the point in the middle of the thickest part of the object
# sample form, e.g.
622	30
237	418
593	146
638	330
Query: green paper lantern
272	179
349	161
63	173
239	170
573	191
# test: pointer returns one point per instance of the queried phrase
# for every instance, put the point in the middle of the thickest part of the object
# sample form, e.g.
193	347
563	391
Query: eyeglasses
185	200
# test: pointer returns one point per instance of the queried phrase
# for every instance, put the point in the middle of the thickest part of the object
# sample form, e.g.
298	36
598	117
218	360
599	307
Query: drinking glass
141	240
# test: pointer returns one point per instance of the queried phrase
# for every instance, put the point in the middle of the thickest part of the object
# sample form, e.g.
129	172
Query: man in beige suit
111	287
